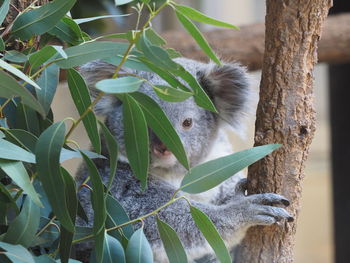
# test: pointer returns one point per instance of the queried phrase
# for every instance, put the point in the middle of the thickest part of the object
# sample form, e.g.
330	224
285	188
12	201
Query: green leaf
198	16
161	126
211	234
44	259
39	21
197	36
17	73
16	253
210	174
66	236
23	228
200	97
116	215
170	94
122	2
172	244
27	119
22	138
11	151
70	154
173	53
40	57
82	101
112	250
48	149
154	37
2	44
129	63
16	171
89	19
98	205
156	54
86	52
68	31
139	250
48	82
119	85
112	147
136	139
15	56
167	76
4	10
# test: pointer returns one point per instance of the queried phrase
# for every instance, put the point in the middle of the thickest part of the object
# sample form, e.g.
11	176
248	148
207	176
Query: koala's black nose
157	146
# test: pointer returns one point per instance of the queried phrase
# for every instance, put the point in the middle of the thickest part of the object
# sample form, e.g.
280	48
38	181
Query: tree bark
285	115
247	44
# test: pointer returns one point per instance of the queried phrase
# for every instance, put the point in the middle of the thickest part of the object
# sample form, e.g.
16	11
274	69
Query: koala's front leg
257	209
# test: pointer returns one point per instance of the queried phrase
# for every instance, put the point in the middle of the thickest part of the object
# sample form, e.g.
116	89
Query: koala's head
226	85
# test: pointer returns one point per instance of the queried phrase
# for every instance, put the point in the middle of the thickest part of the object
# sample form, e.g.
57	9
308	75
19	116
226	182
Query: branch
247	44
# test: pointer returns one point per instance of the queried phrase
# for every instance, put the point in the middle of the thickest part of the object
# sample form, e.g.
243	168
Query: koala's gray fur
227	206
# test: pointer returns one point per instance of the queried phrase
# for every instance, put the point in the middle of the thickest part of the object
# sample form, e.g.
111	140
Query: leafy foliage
38	203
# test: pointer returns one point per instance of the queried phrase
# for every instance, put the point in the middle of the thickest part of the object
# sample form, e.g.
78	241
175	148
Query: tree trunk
285	115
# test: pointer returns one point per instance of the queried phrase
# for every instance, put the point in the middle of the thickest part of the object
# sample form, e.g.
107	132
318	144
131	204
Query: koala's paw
259	209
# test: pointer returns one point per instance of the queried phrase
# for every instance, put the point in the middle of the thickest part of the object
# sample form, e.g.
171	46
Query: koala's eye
187	123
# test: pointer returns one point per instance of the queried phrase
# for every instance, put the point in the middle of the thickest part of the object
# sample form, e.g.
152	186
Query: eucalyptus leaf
122	2
2	44
211	234
161	126
66	237
86	52
15	56
119	85
89	19
23	228
198	16
10	151
116	215
22	138
68	31
154	37
17	73
4	10
156	54
112	147
131	62
40	20
197	36
16	253
48	149
82	101
172	244
170	94
98	205
38	58
16	171
139	250
136	139
70	154
112	251
27	119
48	82
210	174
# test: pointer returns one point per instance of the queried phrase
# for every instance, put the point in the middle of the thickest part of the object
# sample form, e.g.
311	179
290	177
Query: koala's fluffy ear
228	87
93	72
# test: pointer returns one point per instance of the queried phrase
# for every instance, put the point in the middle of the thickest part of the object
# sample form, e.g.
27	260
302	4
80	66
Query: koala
227	205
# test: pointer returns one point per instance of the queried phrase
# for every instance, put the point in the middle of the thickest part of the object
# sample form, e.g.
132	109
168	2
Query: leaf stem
46	226
141	218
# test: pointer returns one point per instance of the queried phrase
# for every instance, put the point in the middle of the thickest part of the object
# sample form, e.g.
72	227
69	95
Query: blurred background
314	240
